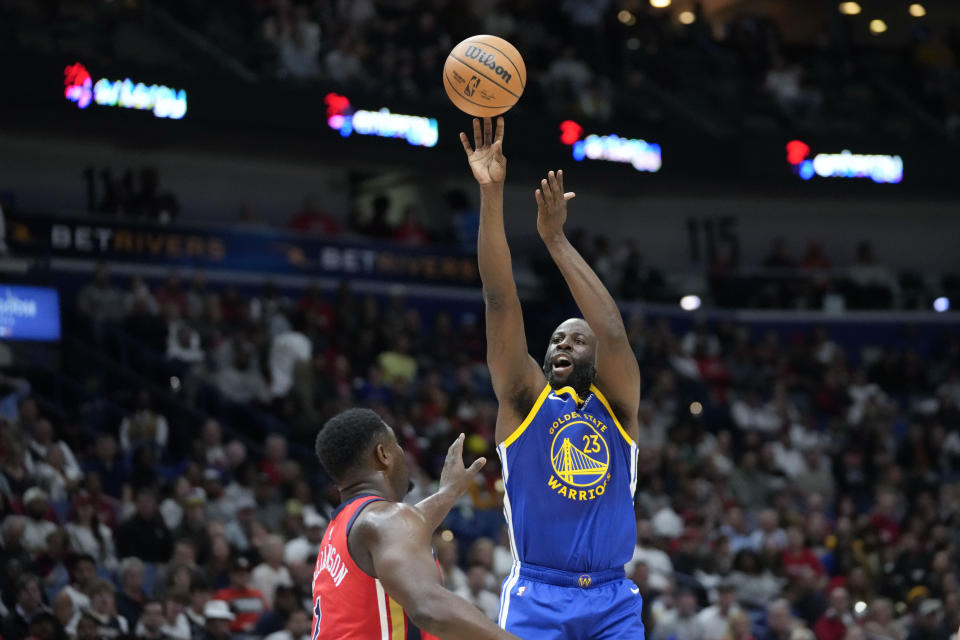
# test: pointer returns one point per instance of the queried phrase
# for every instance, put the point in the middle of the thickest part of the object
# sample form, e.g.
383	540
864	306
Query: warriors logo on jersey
580	457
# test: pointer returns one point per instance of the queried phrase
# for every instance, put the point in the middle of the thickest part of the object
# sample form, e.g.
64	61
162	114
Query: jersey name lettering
331	562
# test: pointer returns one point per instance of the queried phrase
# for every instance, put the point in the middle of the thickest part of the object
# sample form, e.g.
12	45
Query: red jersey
347	603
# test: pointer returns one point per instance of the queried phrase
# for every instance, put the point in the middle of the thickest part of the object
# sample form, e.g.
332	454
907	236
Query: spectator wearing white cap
218	618
37	526
305	547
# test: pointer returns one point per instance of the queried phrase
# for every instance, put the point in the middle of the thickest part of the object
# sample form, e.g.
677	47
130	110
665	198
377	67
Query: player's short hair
344	440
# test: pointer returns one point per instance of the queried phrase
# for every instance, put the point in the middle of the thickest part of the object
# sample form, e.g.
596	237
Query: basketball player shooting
566	431
376	576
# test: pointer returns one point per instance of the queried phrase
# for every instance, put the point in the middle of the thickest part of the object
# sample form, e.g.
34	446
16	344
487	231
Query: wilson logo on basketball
488	60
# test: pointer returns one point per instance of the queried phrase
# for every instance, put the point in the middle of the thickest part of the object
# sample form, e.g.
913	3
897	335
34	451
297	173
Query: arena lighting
877	26
660	4
161	99
687	17
850	8
447	535
941	304
860	607
643	155
879	168
917	10
696	408
419	131
690	302
627	18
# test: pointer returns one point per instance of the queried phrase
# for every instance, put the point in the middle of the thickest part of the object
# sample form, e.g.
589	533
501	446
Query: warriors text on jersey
570	472
348	604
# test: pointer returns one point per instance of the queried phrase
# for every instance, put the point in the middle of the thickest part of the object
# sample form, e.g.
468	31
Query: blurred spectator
342	65
145	534
833	624
271	573
780	622
218	620
476	593
305	547
680	623
296	628
288	350
151	621
245	602
397	364
130	600
102	613
718	618
100	302
39	523
298	41
27	606
144	427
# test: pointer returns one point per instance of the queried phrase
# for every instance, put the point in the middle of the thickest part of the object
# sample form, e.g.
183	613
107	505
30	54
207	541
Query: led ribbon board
163	101
643	155
416	130
879	168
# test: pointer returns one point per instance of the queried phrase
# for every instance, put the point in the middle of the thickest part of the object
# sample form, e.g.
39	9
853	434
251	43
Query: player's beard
580	378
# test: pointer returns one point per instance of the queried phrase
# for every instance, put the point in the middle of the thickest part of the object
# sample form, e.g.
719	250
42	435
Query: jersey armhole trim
526	421
353	518
606	405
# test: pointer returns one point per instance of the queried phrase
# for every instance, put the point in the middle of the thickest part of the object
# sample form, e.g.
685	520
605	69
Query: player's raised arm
618	375
516	377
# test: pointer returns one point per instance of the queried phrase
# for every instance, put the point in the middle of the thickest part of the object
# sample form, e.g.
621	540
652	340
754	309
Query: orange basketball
484	76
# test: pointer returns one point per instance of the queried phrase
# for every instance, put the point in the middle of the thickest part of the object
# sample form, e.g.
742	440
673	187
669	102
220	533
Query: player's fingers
539	198
554	187
455	448
569	195
497	147
477	465
545	188
560	179
499	137
487	131
465	141
477	134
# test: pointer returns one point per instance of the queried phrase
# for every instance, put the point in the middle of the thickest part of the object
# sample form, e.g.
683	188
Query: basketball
484	76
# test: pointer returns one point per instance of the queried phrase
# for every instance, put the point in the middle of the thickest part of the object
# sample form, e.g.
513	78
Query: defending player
568	449
376	576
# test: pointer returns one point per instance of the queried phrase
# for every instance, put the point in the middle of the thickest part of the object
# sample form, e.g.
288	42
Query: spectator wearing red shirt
798	555
410	231
885	519
312	219
833	624
246	604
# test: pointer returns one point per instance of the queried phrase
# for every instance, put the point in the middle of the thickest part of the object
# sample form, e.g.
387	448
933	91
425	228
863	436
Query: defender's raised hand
552	205
455	477
486	157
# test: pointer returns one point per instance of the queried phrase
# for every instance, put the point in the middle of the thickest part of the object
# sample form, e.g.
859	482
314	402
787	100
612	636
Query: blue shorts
544	604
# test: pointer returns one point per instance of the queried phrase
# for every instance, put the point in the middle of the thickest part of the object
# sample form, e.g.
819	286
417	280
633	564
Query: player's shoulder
384	519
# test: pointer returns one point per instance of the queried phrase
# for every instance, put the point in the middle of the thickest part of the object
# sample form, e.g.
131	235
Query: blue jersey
570	472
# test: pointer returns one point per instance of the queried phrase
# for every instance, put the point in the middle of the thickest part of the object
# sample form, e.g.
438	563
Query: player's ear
381	455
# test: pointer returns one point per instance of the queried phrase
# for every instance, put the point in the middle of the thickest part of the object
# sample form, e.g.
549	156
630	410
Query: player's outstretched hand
552	205
486	157
455	477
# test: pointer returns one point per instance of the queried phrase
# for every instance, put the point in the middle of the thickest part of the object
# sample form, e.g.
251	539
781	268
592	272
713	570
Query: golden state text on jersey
570	473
